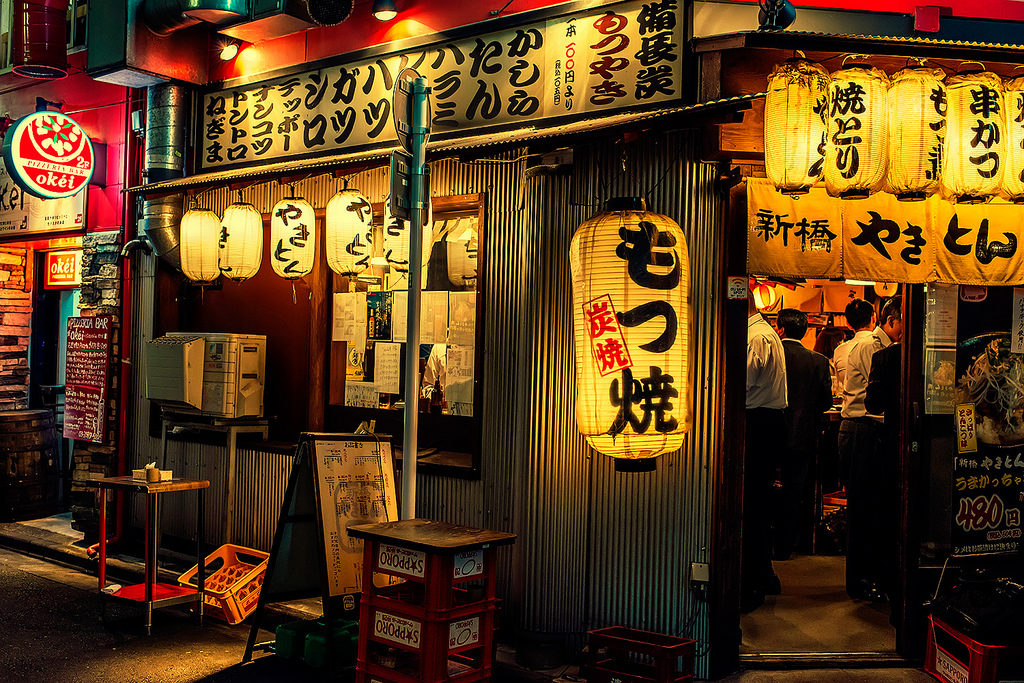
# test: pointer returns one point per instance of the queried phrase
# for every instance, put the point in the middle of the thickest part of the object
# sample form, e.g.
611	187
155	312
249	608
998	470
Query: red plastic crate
234	576
628	655
952	657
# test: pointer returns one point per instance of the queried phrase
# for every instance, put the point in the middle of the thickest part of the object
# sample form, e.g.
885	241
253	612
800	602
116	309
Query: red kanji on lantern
606	341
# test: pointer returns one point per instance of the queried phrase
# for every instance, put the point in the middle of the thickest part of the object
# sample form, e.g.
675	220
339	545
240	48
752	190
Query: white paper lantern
200	234
794	125
1013	126
348	226
856	155
974	156
241	241
292	237
917	126
396	240
630	271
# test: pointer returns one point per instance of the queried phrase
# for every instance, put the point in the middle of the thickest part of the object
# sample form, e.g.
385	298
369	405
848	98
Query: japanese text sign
966	436
882	239
988	491
598	60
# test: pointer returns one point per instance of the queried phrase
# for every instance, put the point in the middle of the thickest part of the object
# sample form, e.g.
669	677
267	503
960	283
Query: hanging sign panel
598	60
883	239
49	155
24	214
789	234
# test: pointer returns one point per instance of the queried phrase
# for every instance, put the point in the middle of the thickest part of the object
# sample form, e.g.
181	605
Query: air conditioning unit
208	373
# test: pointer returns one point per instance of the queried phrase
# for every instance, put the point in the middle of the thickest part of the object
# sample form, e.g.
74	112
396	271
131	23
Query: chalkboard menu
87	377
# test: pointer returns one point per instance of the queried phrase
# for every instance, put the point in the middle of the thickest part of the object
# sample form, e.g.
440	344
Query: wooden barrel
29	471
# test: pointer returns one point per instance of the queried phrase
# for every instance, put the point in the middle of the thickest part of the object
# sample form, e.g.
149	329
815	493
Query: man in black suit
809	385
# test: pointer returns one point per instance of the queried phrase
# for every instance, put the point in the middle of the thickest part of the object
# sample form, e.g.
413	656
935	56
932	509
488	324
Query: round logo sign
49	155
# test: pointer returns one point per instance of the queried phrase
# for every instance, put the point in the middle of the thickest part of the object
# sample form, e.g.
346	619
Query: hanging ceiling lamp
917	125
292	237
858	113
348	228
241	241
794	125
199	237
630	273
974	154
1013	175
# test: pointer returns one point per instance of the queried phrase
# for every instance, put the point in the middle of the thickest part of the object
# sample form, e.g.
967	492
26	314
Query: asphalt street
50	618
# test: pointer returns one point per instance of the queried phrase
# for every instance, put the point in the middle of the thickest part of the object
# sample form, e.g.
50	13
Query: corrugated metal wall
595	547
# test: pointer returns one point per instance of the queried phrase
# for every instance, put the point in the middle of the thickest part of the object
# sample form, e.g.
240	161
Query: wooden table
151	592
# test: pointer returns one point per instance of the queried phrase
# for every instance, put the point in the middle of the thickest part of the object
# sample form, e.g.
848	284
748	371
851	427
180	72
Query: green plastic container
318	646
290	638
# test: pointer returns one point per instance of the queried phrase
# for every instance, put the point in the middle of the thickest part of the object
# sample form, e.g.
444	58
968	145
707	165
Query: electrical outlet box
700	572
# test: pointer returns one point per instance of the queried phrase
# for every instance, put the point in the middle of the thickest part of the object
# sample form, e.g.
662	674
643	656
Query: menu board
355	484
87	377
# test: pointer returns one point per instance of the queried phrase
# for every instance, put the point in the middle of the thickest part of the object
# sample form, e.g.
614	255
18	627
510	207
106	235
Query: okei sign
49	155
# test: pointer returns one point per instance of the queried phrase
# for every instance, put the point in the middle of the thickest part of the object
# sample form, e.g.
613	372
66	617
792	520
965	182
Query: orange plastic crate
234	576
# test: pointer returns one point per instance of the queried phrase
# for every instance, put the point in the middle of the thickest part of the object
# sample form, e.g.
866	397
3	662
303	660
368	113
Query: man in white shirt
860	316
860	436
765	434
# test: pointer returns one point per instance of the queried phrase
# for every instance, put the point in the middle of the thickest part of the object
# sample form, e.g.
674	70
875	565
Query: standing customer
860	445
809	390
765	432
860	316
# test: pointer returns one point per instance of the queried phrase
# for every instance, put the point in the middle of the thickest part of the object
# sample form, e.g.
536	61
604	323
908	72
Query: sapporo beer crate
953	657
624	655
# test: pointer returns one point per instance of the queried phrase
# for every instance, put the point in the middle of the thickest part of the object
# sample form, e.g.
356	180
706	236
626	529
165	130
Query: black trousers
794	513
870	508
765	431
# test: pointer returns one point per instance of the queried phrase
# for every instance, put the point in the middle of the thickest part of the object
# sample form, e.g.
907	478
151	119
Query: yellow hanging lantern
856	155
348	232
974	156
794	125
764	296
241	241
917	126
200	233
630	272
1013	122
292	237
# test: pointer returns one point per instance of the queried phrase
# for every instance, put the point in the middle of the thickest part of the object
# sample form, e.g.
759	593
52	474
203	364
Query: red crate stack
953	657
437	623
628	655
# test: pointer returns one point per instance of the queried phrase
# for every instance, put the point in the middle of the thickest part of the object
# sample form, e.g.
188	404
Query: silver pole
417	204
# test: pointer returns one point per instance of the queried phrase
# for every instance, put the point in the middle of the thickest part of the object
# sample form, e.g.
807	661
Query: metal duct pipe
166	108
163	17
39	40
161	221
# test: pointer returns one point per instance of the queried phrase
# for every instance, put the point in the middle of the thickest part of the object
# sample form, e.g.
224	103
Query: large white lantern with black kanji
630	273
917	126
856	153
348	233
1013	127
241	241
292	237
974	156
794	125
200	249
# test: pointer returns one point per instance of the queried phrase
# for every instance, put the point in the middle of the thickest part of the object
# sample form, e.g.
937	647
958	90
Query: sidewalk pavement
50	540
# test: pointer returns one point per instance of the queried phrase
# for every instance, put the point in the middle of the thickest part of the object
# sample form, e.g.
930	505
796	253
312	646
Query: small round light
229	51
385	10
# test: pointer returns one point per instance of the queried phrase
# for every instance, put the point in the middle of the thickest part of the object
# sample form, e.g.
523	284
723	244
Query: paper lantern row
233	246
914	134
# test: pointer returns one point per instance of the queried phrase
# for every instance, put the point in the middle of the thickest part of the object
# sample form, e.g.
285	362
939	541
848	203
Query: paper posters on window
1017	331
350	318
361	395
940	315
462	318
378	312
939	381
459	383
434	318
399	314
792	234
596	60
387	366
887	240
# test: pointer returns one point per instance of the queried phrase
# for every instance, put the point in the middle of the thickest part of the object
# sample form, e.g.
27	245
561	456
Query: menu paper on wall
356	485
350	318
387	366
361	395
434	317
940	315
458	389
966	429
86	378
1017	333
462	318
399	314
